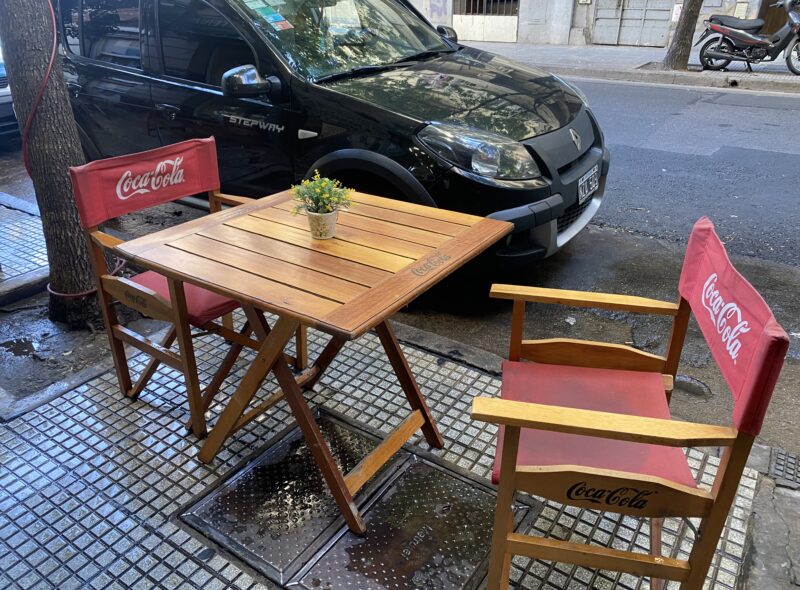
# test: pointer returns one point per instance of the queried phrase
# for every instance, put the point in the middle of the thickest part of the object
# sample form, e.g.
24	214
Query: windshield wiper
424	55
360	71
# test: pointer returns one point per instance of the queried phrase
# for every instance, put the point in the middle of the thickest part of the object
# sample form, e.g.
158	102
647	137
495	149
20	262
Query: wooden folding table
385	254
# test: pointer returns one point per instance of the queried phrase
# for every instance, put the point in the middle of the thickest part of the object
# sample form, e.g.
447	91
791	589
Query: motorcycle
738	40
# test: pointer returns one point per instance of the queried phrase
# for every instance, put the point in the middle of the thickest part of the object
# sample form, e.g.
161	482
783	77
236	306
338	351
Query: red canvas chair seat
621	392
202	305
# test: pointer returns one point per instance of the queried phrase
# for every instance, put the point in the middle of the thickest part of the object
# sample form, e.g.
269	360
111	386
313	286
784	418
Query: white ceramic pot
322	225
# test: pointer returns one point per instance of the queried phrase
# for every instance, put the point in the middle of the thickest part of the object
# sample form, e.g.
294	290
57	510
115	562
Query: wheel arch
376	165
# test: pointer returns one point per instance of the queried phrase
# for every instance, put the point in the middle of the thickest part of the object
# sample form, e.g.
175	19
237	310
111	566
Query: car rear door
110	93
198	43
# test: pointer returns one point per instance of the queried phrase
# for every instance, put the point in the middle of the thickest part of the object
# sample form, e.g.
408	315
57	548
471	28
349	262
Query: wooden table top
385	253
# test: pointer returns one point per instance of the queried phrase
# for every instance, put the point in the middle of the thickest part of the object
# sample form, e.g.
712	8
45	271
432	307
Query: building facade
574	22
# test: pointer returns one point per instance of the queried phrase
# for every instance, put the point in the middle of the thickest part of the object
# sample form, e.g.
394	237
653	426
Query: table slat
323	263
385	228
409	219
139	245
334	247
385	243
421	210
364	312
240	284
279	271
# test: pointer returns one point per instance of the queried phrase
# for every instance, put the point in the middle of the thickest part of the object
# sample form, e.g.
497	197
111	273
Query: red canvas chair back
109	188
746	342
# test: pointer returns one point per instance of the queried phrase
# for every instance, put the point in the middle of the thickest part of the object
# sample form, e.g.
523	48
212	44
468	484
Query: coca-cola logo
431	263
166	173
726	317
621	497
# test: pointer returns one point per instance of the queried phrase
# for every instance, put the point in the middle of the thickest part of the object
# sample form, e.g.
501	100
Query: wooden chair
105	189
588	423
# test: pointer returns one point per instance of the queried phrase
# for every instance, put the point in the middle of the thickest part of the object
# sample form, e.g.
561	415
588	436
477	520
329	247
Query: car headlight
480	152
574	89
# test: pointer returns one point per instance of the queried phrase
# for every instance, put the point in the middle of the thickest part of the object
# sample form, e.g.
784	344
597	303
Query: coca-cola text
726	317
166	173
621	497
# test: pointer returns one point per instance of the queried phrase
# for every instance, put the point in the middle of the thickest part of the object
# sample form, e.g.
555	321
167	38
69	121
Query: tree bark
680	47
26	30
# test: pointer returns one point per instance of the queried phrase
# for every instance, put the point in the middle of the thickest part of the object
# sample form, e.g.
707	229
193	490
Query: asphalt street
679	153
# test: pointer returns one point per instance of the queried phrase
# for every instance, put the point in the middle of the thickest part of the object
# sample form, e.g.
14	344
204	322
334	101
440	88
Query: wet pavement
92	484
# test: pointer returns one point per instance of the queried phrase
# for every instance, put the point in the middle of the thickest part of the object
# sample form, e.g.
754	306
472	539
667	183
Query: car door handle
170	111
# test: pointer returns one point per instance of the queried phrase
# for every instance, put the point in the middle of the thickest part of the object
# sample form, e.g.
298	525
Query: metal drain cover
429	528
785	465
276	511
428	524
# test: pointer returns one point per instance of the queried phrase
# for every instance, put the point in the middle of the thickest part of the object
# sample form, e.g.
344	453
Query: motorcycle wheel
793	57
716	44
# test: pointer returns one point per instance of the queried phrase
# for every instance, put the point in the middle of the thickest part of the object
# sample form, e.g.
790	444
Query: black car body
8	120
145	73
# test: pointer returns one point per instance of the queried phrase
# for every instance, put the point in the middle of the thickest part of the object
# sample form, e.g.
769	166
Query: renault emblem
576	139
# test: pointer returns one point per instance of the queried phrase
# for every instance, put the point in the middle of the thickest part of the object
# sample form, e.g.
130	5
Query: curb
24	285
739	80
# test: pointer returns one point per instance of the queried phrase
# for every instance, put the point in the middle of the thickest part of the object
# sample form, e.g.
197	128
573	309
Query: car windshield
323	38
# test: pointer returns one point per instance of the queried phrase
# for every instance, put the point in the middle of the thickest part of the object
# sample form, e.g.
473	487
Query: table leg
188	362
271	351
408	383
325	359
319	447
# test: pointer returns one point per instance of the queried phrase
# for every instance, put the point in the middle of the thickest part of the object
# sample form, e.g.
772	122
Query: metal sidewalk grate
784	465
427	525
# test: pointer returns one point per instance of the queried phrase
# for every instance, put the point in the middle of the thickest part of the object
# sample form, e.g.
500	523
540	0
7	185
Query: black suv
367	91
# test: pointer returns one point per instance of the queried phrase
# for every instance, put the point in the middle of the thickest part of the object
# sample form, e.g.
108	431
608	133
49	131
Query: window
198	43
70	23
321	38
110	31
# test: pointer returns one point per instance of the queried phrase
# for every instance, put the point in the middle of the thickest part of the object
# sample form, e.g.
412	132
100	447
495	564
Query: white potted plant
321	198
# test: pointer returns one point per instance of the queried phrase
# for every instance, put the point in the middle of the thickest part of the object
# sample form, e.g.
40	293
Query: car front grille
3	82
571	214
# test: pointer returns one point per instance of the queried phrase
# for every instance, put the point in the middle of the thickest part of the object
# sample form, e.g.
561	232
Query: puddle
19	346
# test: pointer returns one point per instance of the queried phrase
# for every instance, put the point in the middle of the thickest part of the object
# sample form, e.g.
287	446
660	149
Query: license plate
588	184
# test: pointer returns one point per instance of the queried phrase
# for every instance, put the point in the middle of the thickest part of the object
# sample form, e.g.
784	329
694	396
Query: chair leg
222	372
301	347
188	362
227	321
151	367
500	559
655	549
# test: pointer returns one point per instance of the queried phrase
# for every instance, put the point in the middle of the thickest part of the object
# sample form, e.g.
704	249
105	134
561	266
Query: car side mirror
448	33
245	81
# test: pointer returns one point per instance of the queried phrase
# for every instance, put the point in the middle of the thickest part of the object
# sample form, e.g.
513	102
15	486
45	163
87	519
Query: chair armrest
585	299
601	424
232	200
105	240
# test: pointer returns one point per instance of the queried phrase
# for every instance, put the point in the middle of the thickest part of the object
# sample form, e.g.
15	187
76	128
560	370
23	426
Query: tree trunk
680	47
53	146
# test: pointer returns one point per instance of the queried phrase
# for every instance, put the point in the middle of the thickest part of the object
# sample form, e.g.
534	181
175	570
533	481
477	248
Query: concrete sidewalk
635	64
93	486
